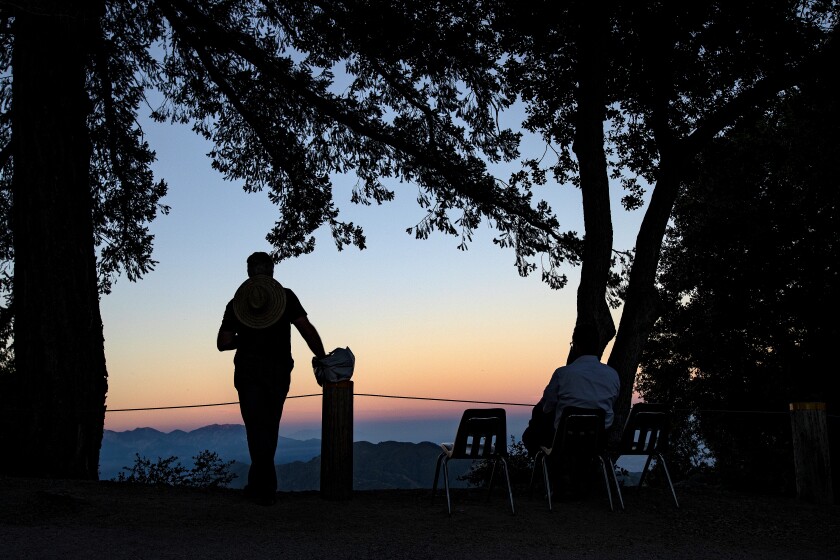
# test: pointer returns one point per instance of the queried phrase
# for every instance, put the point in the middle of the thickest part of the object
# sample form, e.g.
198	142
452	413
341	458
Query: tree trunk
594	183
58	403
642	304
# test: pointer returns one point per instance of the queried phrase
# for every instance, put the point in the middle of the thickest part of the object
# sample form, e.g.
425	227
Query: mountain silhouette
385	465
227	440
380	466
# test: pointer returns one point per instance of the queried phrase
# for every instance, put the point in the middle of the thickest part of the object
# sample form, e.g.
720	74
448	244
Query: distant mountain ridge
386	465
228	440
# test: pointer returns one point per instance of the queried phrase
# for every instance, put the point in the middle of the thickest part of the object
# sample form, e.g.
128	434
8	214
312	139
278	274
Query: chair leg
437	475
446	484
644	471
534	472
606	480
615	482
510	490
492	478
546	482
668	477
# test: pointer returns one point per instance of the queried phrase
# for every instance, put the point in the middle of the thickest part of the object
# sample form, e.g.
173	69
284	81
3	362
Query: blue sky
423	318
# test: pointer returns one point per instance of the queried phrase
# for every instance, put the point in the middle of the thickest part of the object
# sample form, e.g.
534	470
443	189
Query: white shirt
587	383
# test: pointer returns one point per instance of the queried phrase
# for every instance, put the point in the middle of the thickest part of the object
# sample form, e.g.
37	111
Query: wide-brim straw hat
259	302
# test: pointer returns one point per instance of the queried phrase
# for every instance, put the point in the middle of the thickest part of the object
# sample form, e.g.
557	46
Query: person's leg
274	407
540	430
261	429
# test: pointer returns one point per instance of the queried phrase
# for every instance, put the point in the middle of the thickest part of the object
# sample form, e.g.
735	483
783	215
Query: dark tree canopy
288	93
750	274
637	91
291	93
126	196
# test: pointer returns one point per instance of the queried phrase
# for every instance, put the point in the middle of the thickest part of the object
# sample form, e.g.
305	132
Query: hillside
381	466
386	465
228	440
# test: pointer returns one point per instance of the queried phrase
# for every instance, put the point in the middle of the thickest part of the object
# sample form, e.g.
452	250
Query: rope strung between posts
712	411
316	395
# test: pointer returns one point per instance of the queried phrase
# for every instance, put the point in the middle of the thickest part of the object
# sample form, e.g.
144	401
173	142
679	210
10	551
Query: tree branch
461	175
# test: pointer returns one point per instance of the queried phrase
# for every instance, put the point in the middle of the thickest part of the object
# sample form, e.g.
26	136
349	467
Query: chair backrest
580	431
482	433
646	430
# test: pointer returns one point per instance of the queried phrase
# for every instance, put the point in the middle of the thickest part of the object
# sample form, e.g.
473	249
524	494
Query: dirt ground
73	519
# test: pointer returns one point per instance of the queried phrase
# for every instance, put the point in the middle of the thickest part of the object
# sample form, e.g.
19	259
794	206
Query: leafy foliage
749	272
291	94
6	252
125	195
687	454
519	465
208	471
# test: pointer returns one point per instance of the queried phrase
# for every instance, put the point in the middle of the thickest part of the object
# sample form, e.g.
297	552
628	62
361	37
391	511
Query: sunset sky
423	318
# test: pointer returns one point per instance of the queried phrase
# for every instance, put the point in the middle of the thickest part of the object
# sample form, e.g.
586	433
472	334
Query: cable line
441	400
194	405
691	411
318	395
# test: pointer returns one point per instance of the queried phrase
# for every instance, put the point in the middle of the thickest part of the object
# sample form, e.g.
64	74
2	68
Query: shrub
208	471
519	467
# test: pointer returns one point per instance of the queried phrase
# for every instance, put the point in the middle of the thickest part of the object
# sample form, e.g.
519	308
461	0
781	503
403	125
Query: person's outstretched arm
310	335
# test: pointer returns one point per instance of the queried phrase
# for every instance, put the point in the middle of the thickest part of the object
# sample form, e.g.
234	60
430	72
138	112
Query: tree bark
57	406
642	304
588	146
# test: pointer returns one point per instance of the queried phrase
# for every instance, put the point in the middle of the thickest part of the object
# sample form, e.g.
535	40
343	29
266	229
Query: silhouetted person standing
257	324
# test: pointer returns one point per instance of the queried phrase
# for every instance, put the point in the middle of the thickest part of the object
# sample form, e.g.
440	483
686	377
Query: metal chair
579	436
482	434
646	433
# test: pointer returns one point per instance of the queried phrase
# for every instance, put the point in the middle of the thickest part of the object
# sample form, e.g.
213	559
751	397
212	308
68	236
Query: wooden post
811	452
337	441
